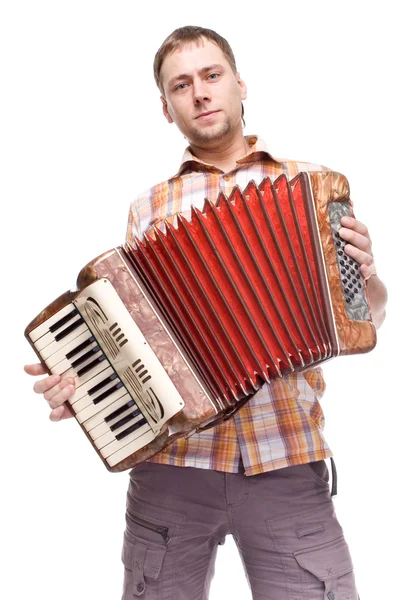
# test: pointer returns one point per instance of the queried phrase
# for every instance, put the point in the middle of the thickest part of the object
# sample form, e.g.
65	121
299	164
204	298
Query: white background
81	134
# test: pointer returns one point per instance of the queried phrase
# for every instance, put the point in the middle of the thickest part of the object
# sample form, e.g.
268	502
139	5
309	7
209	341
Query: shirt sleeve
133	228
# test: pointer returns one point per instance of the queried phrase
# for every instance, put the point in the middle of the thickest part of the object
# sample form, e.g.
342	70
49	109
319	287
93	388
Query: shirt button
331	596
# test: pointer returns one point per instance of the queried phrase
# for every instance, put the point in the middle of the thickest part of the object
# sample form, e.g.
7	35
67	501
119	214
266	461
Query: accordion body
172	334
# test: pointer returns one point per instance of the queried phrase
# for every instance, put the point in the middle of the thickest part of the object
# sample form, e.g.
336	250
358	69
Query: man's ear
242	85
165	110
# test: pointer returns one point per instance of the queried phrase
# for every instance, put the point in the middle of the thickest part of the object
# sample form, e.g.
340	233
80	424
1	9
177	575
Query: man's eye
180	86
213	76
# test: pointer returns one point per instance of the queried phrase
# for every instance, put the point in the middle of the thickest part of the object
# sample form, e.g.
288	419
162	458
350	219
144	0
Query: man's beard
212	134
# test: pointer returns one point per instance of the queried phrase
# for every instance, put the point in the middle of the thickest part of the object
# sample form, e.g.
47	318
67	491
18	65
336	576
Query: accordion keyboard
101	402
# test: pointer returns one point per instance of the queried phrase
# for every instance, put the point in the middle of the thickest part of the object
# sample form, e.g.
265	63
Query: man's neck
224	155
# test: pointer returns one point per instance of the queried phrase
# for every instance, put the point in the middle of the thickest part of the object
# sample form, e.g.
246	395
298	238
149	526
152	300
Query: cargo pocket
331	564
142	564
149	553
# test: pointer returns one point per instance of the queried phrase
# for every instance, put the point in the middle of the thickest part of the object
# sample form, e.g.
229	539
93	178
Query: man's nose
200	92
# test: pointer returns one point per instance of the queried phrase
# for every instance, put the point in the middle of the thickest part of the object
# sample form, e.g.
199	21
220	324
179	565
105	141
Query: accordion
171	334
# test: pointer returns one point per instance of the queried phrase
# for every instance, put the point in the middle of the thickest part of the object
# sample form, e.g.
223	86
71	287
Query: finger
356	225
61	396
363	258
56	389
36	369
356	239
45	384
367	271
60	413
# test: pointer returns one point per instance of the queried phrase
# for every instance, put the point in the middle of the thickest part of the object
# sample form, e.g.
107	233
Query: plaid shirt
282	424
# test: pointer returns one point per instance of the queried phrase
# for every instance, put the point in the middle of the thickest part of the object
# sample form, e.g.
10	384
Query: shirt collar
258	150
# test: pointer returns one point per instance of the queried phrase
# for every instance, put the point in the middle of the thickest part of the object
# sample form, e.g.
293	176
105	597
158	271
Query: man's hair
186	35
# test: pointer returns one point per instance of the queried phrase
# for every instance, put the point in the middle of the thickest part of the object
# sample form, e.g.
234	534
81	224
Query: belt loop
334	478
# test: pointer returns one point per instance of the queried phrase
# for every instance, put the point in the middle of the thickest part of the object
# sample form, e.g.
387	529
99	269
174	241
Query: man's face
202	95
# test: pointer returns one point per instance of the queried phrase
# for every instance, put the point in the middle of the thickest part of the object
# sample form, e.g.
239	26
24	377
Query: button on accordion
171	334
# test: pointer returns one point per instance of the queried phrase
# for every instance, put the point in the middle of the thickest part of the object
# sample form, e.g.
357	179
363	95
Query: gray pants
283	523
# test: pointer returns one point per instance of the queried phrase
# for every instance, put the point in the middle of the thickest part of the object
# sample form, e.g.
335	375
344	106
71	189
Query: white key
98	419
145	437
109	438
85	408
66	364
104	388
89	399
105	426
50	337
60	355
42	329
83	388
54	346
87	376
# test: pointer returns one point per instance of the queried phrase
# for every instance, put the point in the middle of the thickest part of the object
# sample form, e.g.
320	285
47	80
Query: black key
68	330
90	366
125	420
119	411
63	320
82	346
131	429
98	387
108	392
85	357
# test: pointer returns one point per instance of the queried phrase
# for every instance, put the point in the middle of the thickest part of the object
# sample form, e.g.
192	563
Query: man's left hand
359	245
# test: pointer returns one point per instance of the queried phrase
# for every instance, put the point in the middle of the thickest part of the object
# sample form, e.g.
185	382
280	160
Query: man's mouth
207	114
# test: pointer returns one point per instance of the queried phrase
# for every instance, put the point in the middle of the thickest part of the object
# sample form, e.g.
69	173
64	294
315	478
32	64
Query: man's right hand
55	391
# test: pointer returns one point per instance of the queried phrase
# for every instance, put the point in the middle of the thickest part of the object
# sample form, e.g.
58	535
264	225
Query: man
260	476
